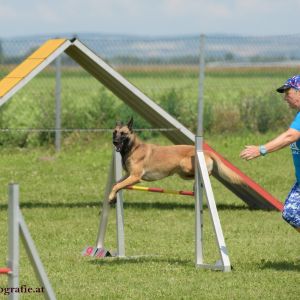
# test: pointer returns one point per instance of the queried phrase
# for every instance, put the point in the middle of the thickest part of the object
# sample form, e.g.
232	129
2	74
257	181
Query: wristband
262	150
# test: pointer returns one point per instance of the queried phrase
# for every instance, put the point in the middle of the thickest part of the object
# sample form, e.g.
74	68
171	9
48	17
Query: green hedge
260	112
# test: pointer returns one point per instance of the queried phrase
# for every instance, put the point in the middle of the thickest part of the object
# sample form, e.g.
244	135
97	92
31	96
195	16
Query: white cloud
194	8
156	17
7	12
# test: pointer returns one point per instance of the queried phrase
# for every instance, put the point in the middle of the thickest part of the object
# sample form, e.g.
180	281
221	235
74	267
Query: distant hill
127	49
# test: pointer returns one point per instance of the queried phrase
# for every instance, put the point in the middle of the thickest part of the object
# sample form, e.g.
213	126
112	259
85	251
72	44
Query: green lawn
60	200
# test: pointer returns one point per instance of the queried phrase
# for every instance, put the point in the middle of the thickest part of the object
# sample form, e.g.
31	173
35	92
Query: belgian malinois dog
151	162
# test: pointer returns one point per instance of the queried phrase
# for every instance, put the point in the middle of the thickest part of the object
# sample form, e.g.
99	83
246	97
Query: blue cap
293	82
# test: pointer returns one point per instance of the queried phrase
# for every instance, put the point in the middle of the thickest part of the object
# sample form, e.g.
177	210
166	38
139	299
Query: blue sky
151	17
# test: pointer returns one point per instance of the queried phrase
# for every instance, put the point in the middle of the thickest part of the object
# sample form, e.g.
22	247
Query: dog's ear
130	124
118	123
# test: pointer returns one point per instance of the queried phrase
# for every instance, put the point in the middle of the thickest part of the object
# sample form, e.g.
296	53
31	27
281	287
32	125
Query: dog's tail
220	169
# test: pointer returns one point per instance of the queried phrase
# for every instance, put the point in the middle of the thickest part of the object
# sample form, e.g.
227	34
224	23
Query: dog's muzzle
118	145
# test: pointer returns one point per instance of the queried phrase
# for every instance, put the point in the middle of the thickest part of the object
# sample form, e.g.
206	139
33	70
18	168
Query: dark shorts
291	209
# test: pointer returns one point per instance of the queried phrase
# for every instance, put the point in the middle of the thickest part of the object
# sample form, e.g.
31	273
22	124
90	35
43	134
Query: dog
151	162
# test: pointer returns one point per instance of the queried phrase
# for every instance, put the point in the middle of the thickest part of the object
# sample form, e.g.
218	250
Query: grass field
60	200
61	194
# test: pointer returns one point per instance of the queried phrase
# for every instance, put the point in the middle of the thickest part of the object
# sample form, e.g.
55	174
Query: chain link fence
241	75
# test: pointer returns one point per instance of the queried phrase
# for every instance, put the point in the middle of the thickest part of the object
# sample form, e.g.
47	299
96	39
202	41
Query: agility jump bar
158	190
5	271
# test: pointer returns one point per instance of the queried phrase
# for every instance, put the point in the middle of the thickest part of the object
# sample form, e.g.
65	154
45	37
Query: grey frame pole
203	182
105	208
199	132
13	238
199	147
18	226
119	207
58	103
115	174
224	263
198	218
35	260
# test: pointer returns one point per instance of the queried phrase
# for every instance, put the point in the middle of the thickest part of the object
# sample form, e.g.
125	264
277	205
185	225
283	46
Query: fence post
58	103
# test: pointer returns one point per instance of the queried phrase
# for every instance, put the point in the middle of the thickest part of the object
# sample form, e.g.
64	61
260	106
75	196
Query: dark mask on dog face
122	135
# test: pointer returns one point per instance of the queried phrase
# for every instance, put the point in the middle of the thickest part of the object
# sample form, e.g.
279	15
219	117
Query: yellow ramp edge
46	49
24	68
28	65
7	84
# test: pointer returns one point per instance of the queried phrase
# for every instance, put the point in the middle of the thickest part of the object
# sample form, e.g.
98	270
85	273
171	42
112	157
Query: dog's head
123	135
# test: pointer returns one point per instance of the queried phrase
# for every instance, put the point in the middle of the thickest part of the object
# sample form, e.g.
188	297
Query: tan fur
151	162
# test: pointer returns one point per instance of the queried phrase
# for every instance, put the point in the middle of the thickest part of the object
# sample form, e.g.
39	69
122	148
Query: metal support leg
35	260
119	207
202	178
199	217
13	238
224	265
115	174
17	225
105	208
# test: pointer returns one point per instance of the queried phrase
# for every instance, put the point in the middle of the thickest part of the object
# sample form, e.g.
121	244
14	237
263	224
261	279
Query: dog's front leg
122	179
132	179
117	182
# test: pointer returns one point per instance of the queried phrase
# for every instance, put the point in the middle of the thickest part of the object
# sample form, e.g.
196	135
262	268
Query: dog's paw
112	198
113	201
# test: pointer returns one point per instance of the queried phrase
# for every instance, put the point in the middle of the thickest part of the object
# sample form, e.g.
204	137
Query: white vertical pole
119	209
13	238
203	181
199	147
58	104
214	213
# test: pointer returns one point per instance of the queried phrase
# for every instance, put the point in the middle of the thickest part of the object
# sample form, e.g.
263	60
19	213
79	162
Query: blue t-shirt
295	147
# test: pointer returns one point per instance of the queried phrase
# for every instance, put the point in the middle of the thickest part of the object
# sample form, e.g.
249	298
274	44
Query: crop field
236	100
61	193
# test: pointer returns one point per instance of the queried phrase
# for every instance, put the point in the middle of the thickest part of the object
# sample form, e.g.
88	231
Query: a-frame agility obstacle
254	195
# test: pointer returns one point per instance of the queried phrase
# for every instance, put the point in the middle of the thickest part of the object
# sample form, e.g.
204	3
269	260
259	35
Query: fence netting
241	76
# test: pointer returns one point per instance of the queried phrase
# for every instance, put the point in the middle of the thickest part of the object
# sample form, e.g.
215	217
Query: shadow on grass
127	205
32	205
176	205
281	265
140	259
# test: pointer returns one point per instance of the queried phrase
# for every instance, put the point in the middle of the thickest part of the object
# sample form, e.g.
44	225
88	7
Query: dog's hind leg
209	164
186	168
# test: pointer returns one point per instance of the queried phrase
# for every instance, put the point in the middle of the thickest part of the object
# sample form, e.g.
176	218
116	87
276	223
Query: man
291	91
